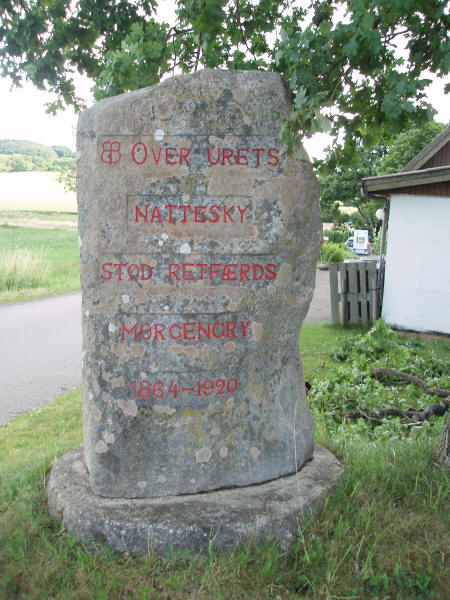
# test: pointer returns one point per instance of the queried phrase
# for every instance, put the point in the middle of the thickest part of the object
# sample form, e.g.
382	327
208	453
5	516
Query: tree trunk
444	446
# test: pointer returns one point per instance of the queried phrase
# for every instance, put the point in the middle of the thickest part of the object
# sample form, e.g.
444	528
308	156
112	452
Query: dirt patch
424	337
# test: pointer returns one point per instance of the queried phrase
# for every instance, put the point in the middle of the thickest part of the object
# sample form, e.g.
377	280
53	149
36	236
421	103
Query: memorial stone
198	238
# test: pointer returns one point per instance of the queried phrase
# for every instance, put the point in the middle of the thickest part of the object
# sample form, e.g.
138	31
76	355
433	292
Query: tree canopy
340	183
406	146
355	67
27	148
23	155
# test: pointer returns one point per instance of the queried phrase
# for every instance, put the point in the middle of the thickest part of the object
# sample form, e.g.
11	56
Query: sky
23	115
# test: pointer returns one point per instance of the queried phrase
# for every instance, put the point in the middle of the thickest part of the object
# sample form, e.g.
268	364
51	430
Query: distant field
42	218
34	191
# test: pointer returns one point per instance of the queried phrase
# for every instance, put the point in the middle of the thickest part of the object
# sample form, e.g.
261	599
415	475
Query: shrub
336	235
23	268
332	252
377	243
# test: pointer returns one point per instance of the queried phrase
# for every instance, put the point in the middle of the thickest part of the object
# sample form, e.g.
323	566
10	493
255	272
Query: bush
377	243
336	235
23	269
332	252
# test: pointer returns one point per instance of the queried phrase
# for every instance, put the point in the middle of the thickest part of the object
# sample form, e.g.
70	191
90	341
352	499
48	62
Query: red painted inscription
142	154
145	389
168	156
123	271
223	272
193	331
187	213
191	272
240	157
111	153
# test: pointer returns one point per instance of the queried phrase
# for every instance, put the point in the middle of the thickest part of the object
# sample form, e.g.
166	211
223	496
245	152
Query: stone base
222	518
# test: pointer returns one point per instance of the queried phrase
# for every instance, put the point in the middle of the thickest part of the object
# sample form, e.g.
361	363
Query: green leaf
301	99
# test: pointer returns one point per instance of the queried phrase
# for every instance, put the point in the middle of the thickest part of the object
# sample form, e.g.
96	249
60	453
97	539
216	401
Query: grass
59	252
317	344
383	534
22	268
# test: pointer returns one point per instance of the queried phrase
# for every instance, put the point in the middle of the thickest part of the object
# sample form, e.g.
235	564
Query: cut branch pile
411	415
393	373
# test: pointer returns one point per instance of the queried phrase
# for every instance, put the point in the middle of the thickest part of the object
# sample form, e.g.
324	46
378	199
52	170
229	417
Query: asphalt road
320	307
40	350
40	347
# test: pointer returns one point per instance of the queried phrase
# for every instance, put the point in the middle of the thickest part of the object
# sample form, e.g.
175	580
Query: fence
353	289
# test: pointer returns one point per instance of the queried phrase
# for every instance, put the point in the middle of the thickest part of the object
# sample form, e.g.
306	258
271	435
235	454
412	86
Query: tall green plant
23	268
335	235
331	252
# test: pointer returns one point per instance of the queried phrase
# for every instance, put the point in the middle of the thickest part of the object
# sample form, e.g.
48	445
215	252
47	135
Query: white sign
360	239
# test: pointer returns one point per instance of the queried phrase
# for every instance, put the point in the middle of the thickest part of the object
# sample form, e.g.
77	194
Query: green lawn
383	534
58	250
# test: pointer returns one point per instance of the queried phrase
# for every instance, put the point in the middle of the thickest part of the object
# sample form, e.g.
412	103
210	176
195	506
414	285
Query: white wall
417	280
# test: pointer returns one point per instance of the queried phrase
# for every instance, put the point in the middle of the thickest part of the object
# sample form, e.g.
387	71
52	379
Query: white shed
417	271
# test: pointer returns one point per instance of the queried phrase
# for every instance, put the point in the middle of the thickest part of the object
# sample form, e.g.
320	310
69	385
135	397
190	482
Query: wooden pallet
353	290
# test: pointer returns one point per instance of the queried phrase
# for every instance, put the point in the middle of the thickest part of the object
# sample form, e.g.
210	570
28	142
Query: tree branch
197	58
366	219
384	371
332	66
416	416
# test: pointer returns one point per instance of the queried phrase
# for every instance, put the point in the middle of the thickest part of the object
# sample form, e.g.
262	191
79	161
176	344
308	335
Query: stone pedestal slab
224	518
